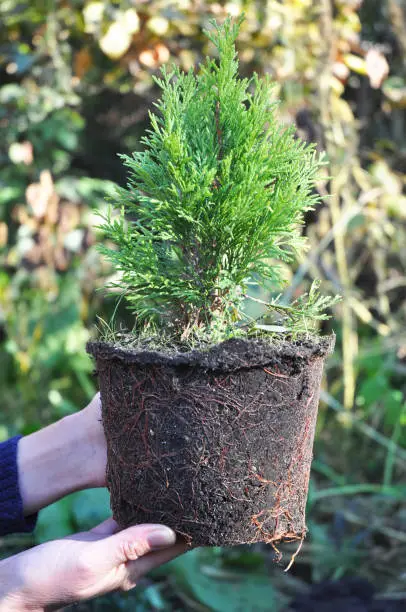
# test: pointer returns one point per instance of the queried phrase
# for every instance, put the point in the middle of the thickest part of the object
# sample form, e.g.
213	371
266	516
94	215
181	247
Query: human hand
82	566
64	457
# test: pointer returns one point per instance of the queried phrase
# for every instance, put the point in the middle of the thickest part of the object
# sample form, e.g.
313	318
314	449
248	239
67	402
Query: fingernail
160	537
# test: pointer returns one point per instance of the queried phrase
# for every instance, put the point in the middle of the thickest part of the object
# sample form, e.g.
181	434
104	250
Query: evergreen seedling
214	201
216	443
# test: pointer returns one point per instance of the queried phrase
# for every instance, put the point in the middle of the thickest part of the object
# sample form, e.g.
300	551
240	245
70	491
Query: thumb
132	543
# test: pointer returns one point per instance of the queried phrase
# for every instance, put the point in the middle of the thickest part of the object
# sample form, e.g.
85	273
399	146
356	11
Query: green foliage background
76	86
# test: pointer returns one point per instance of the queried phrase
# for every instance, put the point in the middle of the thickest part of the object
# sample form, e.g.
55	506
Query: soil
217	444
350	594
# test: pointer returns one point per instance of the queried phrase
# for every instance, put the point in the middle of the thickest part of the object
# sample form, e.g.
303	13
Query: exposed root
293	557
278	554
277	374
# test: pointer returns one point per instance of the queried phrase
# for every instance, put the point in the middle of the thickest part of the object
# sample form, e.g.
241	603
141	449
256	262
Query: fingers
140	567
95	403
133	543
108	559
107	528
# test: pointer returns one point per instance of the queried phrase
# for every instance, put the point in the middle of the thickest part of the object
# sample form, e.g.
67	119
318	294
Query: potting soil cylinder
216	444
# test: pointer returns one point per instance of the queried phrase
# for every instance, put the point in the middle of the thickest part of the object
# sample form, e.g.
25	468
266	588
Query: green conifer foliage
215	199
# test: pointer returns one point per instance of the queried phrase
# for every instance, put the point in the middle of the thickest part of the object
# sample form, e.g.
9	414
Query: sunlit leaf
394	89
377	67
93	16
158	25
3	234
116	41
355	63
21	153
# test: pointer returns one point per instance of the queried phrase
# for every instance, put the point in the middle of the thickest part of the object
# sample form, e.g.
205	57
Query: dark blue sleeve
12	519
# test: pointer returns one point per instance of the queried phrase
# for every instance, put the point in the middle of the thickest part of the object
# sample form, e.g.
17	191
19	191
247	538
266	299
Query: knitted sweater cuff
12	519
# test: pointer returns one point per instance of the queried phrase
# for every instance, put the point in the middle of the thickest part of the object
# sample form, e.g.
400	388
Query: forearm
60	459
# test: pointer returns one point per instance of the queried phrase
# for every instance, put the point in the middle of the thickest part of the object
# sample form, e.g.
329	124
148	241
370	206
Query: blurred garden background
75	89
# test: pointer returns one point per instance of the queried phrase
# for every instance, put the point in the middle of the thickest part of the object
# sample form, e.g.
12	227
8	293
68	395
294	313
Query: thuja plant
209	421
214	201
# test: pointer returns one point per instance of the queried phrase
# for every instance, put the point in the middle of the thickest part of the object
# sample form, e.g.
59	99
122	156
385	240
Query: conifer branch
216	198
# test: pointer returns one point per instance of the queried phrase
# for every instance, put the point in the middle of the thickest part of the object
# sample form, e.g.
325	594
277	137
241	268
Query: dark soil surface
216	444
346	595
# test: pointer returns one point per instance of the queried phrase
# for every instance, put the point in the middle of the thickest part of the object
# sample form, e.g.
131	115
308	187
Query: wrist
79	448
93	444
62	458
12	598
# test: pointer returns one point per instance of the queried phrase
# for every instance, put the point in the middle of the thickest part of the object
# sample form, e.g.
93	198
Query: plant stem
349	340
